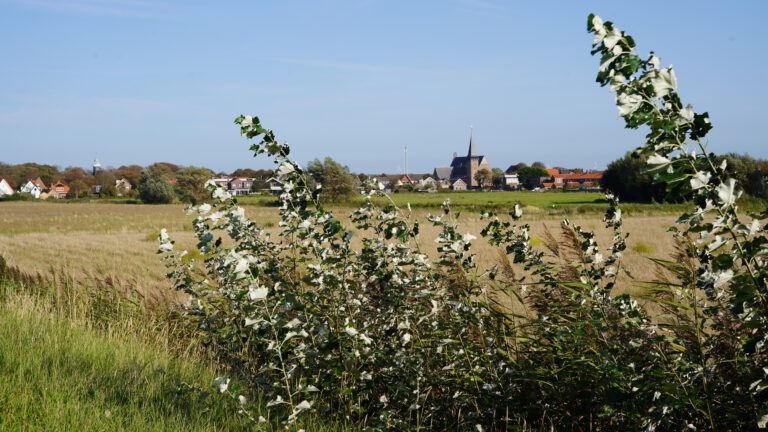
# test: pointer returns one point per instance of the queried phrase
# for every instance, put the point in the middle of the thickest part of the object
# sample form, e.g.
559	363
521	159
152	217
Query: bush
337	183
382	338
190	185
155	187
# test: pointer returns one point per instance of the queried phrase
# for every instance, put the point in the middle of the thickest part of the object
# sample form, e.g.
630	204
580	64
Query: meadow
118	242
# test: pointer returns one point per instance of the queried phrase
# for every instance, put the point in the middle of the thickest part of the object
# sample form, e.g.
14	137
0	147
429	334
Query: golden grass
117	241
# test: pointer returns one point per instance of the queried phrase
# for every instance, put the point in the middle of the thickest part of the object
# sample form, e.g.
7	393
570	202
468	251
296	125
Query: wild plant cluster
358	325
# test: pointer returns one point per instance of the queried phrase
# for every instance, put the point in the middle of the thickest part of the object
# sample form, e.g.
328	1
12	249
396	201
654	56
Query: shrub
337	183
383	338
190	186
155	187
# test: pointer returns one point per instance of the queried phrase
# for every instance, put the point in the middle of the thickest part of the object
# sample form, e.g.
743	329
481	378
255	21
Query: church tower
96	166
473	161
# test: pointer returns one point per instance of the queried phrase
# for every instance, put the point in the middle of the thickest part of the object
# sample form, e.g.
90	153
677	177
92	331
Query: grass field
118	242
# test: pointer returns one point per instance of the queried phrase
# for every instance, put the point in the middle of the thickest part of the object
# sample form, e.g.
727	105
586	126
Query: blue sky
138	81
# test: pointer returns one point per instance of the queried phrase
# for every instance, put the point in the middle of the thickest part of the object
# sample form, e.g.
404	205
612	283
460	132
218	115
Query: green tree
155	186
628	178
483	177
747	171
130	173
190	186
529	175
77	189
497	178
106	179
108	191
19	174
338	184
73	174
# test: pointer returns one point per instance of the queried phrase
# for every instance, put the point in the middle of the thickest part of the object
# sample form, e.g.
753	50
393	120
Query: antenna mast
405	153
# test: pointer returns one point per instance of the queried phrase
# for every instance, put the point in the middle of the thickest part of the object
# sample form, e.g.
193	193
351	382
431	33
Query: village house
33	187
459	185
275	186
510	181
59	190
590	180
6	187
240	185
123	187
237	186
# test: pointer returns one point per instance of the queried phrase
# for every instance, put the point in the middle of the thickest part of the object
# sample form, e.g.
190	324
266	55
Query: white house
5	187
511	181
275	186
123	186
459	185
33	187
427	183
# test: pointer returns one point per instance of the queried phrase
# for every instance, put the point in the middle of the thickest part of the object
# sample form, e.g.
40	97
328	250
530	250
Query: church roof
443	172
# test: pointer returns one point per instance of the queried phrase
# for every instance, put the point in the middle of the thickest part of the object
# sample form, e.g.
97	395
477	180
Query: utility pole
405	153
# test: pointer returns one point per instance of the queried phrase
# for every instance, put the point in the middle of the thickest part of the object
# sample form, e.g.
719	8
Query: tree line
629	179
160	182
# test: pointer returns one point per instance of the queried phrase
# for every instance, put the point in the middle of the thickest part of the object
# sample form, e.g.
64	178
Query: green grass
59	375
642	247
473	199
73	359
499	199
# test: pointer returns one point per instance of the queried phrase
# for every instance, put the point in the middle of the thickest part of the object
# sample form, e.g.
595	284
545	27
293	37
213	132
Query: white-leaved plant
727	248
394	332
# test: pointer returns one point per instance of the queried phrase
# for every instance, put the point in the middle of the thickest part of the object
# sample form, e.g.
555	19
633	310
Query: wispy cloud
122	8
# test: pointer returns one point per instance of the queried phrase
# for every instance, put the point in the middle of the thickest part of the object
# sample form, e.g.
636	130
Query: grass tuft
642	247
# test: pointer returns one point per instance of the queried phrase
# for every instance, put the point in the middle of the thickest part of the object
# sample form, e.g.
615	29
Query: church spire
471	143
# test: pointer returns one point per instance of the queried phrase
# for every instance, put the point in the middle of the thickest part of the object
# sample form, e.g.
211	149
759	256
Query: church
461	174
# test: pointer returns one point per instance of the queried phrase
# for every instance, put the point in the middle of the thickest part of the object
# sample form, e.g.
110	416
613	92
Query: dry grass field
118	241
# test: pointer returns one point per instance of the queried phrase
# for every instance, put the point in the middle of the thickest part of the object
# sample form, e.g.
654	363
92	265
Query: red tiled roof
583	176
548	184
552	171
38	181
60	187
7	180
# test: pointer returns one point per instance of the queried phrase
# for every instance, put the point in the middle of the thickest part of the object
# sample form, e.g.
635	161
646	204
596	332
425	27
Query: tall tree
338	184
627	178
73	174
155	186
483	178
130	173
497	178
190	186
529	176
